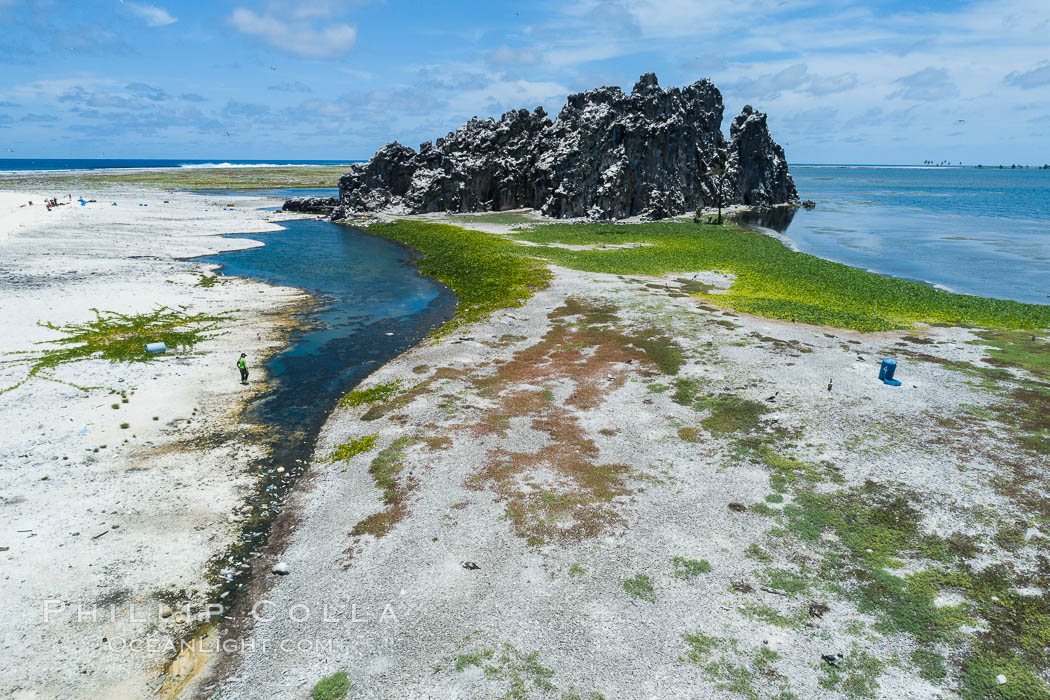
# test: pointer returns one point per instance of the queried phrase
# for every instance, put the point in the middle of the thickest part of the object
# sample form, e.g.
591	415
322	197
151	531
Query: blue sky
857	82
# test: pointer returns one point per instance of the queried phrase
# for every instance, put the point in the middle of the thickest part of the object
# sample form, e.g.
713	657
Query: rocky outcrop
311	205
608	155
759	168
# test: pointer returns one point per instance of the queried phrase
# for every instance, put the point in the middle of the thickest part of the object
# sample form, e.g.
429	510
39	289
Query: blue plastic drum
886	372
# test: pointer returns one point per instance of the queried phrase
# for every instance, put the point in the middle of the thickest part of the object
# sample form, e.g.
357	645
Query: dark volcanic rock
311	205
607	156
760	169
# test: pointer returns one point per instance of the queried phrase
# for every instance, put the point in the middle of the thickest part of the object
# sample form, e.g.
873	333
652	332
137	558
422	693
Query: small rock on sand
281	569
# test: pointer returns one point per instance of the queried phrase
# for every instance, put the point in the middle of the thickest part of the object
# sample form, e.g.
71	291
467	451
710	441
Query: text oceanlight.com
214	645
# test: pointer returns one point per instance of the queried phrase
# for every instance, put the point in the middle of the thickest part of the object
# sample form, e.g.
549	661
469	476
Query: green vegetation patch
855	676
381	392
465	661
661	350
687	391
1017	349
750	674
384	470
930	664
388	463
518	672
640	586
788	581
774	281
690	568
694	287
344	452
755	552
700	646
981	673
485	271
381	407
877	530
333	687
732	414
496	217
773	617
785	471
763	509
690	434
115	337
728	413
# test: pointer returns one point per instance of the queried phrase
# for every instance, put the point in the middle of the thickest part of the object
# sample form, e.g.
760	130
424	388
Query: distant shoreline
92	164
155	164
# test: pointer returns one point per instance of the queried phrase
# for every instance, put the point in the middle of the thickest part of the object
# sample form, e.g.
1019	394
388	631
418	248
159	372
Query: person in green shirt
242	365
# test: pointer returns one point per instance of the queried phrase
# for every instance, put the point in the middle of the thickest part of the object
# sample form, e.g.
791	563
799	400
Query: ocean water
23	164
278	193
973	231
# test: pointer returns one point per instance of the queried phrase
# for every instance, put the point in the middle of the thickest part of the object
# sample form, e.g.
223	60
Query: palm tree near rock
719	168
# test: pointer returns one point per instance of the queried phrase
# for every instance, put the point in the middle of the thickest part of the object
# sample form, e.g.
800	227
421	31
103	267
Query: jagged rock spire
607	156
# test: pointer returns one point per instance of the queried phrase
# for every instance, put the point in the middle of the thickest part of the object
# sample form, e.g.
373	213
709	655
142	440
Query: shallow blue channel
368	287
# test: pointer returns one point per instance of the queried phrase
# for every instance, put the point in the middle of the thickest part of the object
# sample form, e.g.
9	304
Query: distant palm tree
719	168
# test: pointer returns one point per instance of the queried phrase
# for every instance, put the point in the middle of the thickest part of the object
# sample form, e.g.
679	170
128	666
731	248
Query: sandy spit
461	581
103	526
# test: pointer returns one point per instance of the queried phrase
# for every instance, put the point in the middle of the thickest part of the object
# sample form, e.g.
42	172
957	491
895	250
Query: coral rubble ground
621	490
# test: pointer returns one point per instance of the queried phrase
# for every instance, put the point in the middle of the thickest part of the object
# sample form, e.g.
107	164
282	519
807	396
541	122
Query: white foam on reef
204	166
775	234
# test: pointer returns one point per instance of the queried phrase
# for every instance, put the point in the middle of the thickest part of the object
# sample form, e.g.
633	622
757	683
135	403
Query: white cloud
153	16
296	86
795	77
500	95
928	85
296	37
506	57
1037	77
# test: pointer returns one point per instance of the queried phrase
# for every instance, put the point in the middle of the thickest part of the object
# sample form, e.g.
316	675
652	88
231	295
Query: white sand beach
102	525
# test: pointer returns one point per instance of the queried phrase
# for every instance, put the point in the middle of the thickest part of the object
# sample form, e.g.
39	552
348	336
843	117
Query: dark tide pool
372	305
